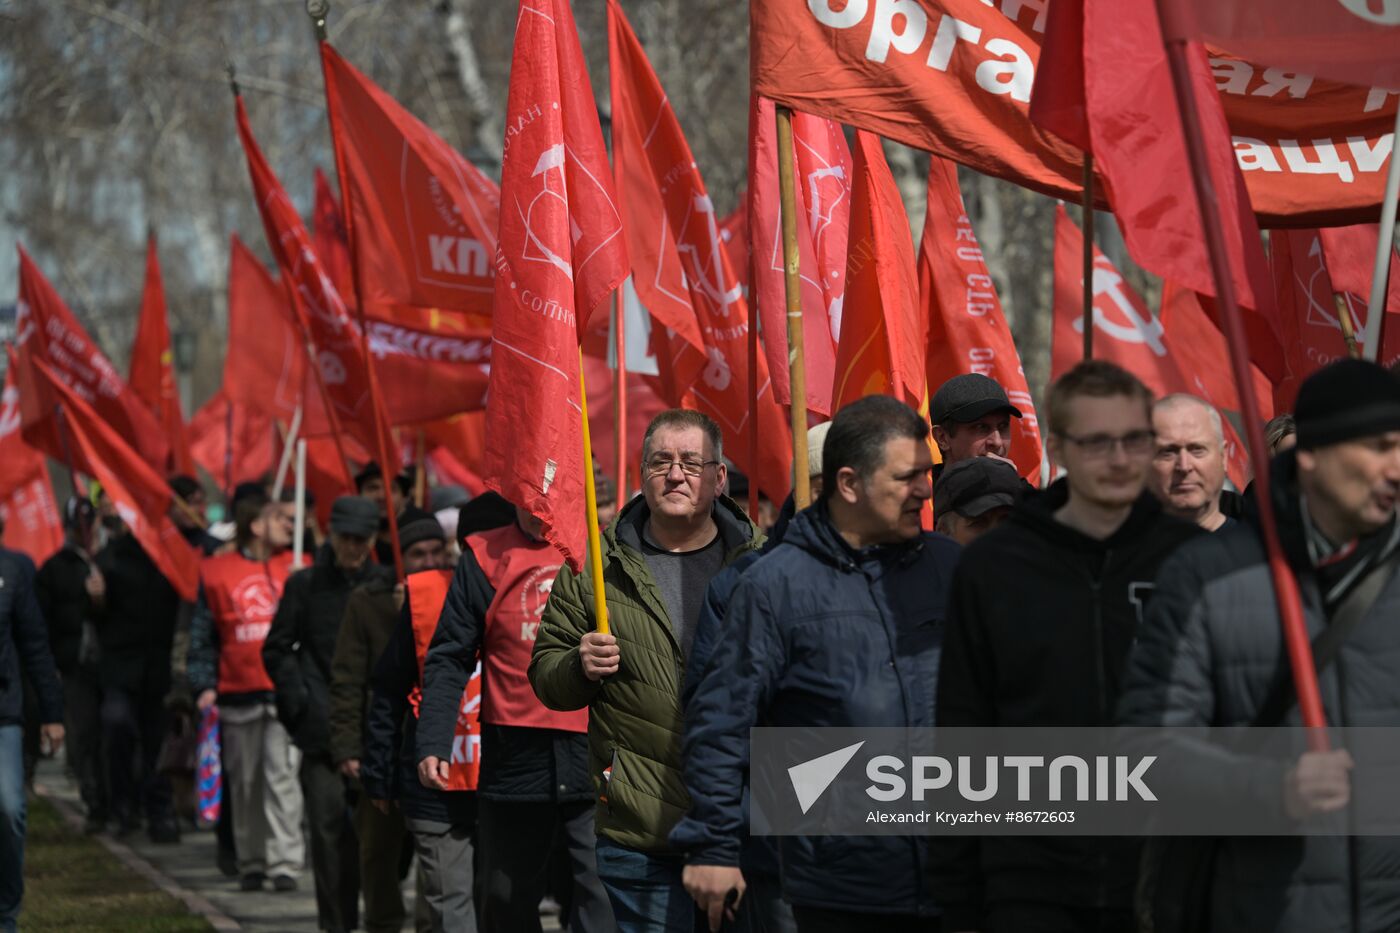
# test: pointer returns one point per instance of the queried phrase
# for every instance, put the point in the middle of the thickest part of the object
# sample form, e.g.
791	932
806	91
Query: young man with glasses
1043	611
659	556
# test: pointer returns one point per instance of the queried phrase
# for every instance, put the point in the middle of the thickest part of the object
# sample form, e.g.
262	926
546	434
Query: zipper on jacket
1101	687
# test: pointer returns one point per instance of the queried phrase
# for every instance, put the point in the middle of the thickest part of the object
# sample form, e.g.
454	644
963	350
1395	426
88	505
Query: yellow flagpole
792	279
595	540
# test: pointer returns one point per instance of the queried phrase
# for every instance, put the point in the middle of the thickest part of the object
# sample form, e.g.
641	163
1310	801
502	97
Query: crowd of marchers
471	733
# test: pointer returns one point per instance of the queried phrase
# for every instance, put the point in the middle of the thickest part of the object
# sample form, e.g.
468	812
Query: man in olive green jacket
659	556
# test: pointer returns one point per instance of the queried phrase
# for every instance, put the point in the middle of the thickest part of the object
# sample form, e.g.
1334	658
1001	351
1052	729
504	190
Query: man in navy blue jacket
840	625
24	647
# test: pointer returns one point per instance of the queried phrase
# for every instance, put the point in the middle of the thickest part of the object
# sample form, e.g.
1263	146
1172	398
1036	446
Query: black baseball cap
974	487
968	397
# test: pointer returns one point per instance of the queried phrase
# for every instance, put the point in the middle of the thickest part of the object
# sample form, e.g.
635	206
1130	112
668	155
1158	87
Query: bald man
1188	469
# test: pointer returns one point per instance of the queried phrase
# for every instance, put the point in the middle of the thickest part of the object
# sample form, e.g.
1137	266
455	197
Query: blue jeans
11	825
645	890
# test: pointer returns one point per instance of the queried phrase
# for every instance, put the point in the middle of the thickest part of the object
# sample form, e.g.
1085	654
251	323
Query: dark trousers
82	739
382	839
334	853
134	725
515	841
818	920
1056	918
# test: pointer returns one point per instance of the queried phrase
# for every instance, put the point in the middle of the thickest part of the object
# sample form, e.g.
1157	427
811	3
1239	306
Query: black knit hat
1344	401
417	525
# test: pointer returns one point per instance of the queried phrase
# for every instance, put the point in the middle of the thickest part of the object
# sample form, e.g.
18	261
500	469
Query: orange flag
358	408
139	493
152	373
46	331
822	170
1189	357
883	330
421	219
967	330
559	255
27	507
681	269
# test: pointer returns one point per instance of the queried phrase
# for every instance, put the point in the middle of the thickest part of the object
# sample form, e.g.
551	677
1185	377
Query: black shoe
284	883
253	882
126	825
164	832
228	863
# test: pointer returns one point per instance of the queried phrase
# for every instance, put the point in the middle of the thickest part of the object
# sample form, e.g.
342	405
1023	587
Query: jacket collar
813	531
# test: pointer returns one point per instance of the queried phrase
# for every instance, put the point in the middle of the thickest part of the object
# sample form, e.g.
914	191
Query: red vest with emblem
242	595
427	592
522	572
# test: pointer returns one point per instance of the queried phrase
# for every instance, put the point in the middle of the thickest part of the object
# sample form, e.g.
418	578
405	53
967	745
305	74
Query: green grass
74	884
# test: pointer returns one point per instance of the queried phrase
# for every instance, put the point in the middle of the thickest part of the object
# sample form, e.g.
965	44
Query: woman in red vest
239	593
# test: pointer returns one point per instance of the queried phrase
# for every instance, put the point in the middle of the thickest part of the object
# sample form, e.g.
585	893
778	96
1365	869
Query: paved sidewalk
188	871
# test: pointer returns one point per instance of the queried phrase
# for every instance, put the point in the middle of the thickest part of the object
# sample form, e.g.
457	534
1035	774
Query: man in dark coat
70	589
297	654
1211	653
858	587
24	653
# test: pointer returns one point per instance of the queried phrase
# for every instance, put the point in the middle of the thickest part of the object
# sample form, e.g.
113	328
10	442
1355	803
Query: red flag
426	375
1139	145
329	237
138	492
884	333
967	330
358	407
1353	41
232	441
1057	98
422	219
681	270
152	373
27	508
1350	253
1191	358
560	253
265	363
955	77
822	175
46	331
1308	312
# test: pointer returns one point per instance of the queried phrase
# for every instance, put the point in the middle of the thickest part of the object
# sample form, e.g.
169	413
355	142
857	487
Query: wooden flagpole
792	268
318	11
1088	268
620	397
1286	591
1348	328
595	540
420	478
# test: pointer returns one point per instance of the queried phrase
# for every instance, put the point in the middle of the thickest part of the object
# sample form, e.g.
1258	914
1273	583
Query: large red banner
955	76
27	507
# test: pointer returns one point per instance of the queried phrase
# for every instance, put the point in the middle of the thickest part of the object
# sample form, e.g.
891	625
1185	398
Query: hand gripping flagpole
590	495
1286	592
797	369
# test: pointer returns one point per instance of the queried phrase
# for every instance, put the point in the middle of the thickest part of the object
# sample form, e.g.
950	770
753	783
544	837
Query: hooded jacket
1209	654
819	634
24	645
1039	627
634	722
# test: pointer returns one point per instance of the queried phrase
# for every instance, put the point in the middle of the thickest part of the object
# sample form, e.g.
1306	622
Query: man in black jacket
1211	654
297	654
1042	614
136	631
858	588
534	780
70	590
24	653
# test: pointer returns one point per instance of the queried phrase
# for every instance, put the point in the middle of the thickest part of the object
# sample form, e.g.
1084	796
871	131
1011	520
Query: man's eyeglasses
1101	445
661	466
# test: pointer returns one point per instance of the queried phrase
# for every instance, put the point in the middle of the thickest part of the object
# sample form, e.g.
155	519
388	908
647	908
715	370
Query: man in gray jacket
1211	653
